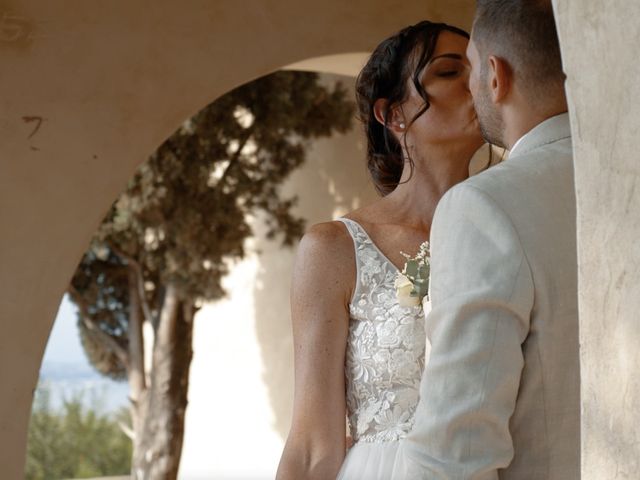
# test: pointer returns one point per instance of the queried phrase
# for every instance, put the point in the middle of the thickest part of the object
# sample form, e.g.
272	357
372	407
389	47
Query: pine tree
74	441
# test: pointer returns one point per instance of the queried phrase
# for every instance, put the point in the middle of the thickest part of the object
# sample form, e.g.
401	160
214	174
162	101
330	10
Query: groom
500	394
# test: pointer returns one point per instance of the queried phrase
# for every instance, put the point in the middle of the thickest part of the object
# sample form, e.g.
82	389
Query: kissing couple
478	380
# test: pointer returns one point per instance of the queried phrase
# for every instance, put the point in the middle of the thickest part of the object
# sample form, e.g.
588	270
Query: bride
358	353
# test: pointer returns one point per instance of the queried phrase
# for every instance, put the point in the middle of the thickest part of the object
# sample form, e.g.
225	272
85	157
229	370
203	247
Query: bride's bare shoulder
334	238
325	265
327	238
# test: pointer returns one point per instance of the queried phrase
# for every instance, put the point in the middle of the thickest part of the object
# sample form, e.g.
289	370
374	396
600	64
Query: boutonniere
412	284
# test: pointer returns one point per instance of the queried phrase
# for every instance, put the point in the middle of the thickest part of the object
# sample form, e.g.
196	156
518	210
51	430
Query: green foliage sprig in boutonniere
412	284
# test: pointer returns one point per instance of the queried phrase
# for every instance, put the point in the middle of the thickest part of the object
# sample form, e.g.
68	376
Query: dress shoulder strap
356	234
352	227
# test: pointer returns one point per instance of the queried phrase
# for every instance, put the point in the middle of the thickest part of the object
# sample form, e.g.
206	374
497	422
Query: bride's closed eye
446	67
448	73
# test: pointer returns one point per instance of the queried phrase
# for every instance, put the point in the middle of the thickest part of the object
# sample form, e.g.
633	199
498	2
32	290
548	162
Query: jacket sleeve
481	294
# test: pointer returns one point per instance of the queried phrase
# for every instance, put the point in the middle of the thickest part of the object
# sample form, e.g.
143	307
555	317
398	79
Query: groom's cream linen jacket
500	394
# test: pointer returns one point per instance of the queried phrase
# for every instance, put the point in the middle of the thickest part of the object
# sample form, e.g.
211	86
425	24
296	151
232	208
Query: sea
66	381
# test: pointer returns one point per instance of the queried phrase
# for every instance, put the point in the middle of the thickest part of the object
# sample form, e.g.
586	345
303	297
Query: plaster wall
600	42
89	90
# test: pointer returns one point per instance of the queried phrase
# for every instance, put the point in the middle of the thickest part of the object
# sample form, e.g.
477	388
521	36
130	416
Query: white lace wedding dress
384	363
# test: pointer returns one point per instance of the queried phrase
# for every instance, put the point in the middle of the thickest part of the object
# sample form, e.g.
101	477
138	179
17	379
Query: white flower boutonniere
412	284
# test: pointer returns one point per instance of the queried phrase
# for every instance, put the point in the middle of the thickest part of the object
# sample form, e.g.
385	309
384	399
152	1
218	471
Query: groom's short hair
522	32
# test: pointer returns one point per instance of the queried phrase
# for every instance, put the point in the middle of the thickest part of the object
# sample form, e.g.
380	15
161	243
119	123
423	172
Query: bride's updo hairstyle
398	59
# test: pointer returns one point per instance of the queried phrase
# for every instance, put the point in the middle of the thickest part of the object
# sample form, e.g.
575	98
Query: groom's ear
394	116
500	78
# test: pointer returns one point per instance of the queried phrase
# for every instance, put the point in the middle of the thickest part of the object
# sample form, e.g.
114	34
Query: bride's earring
402	125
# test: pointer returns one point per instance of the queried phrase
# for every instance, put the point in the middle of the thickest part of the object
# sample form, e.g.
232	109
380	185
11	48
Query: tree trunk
158	443
135	368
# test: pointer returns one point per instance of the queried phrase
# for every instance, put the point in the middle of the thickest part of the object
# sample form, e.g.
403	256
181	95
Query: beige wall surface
89	89
600	47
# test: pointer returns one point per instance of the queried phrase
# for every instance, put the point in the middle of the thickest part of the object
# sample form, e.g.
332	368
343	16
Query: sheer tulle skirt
369	461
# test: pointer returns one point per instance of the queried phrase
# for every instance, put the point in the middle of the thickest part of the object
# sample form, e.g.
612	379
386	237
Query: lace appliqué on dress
385	349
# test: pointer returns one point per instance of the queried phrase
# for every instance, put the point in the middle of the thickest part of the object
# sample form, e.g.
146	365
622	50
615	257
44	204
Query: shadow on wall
333	181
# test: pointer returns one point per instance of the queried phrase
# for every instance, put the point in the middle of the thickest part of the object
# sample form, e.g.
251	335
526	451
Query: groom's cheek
473	81
473	57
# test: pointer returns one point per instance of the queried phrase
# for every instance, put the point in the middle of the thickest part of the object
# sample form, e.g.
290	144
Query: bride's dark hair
386	74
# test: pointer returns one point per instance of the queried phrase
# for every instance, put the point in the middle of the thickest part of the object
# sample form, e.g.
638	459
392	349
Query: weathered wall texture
600	47
88	90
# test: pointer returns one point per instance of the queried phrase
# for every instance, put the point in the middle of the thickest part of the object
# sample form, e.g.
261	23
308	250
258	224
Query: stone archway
89	91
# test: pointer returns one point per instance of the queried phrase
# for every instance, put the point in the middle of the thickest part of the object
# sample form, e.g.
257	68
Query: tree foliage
76	442
184	216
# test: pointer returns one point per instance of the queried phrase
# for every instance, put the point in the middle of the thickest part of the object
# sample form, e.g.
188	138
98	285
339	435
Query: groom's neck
520	117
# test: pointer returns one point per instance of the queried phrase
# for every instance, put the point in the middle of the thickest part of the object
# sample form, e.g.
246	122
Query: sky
64	343
66	371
